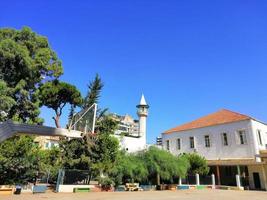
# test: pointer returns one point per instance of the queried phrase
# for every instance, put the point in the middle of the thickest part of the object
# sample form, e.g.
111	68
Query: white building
231	142
127	125
132	133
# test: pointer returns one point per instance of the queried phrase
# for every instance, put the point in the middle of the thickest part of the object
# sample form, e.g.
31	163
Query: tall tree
56	95
94	90
94	151
26	60
106	147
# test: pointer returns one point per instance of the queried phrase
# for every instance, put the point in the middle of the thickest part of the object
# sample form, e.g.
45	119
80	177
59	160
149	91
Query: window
259	137
192	142
168	144
178	143
207	141
242	137
224	139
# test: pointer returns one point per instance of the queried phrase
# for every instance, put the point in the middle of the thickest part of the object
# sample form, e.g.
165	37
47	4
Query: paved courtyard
156	195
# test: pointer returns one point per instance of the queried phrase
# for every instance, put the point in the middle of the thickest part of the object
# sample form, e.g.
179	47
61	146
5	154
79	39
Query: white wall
131	143
263	129
217	150
142	125
69	188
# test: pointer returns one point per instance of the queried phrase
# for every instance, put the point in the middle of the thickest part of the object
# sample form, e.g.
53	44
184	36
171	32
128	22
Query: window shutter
237	137
229	139
245	137
222	140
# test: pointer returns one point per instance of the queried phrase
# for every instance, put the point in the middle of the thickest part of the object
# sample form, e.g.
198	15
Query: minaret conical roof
143	101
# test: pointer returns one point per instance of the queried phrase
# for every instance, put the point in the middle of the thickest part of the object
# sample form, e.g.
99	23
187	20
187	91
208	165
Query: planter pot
172	187
107	188
17	190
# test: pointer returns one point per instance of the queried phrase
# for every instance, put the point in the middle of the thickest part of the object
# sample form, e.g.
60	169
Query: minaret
142	113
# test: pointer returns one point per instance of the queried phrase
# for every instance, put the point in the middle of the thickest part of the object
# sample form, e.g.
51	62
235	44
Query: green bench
201	187
76	190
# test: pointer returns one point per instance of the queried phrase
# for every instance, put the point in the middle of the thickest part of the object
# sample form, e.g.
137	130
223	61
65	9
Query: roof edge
166	132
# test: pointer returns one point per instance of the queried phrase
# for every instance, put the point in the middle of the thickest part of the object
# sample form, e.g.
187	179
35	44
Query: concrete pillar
213	181
238	184
197	179
264	177
180	181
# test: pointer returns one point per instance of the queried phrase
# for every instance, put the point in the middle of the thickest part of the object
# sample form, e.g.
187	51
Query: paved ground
156	195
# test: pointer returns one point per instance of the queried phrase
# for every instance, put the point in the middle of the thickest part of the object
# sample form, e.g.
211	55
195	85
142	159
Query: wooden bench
133	187
6	190
76	190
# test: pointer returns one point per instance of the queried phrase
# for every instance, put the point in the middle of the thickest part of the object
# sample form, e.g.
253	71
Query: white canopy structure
9	129
82	123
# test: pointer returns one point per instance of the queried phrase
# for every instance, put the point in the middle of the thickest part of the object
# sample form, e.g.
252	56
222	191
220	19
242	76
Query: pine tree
94	90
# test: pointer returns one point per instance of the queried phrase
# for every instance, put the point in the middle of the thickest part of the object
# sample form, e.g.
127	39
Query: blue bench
182	187
39	189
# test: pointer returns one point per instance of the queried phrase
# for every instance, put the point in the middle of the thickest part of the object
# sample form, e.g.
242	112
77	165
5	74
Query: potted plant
106	184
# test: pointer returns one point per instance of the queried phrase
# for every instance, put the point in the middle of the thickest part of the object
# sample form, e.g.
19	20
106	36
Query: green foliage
129	168
93	94
164	165
76	153
97	152
50	163
147	165
57	94
26	59
105	181
19	160
106	151
198	164
106	125
6	101
94	90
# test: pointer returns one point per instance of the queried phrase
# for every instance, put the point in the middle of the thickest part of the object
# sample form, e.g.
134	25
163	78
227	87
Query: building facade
231	142
47	142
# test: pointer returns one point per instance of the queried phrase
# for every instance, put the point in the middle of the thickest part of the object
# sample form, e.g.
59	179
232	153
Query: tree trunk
158	179
56	119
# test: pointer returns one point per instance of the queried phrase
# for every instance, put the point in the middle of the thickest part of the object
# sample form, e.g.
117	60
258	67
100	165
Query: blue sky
189	58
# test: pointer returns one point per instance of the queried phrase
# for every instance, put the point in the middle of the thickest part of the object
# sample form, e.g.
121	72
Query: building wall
262	170
132	144
47	142
217	149
263	132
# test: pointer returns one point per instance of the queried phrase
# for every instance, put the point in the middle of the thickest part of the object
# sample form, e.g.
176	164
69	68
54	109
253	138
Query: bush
198	164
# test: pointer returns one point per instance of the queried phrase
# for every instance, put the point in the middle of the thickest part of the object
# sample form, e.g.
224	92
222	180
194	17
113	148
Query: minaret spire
143	101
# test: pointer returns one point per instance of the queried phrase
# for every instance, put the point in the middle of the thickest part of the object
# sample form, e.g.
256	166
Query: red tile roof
220	117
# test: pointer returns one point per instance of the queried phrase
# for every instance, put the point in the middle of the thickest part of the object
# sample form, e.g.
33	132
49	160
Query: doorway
257	181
